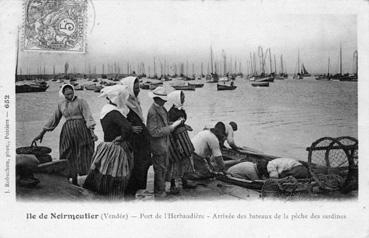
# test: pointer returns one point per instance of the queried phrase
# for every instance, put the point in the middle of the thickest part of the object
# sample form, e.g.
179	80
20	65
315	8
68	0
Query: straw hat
159	92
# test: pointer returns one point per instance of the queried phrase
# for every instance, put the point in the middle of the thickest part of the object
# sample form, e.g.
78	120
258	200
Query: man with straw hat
160	129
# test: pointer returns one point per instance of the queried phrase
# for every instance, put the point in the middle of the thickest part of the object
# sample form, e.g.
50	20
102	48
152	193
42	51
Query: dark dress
112	161
141	154
181	147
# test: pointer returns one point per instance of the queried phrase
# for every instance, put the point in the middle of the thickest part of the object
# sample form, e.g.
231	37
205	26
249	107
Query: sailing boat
340	76
213	76
304	72
225	73
263	77
282	75
355	63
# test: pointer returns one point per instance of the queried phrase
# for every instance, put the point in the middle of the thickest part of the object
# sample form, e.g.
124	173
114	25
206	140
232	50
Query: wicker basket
41	152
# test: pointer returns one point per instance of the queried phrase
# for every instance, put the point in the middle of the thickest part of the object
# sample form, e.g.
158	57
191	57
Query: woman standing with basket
77	136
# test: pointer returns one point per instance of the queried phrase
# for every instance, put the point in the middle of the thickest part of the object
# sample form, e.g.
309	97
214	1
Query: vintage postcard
184	118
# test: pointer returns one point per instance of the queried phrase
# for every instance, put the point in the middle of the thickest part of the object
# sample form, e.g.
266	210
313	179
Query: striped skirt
180	145
77	146
180	151
111	169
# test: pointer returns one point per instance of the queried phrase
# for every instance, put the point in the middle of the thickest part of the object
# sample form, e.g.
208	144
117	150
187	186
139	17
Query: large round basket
34	149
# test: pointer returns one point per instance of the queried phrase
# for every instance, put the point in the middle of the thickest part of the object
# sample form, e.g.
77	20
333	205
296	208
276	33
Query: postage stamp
55	25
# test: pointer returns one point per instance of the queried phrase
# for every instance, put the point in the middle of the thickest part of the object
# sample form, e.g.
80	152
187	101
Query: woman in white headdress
112	160
181	147
140	138
77	135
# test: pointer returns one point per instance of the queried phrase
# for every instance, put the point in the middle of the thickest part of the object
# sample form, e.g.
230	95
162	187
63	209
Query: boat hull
225	87
197	85
30	88
185	88
265	79
260	84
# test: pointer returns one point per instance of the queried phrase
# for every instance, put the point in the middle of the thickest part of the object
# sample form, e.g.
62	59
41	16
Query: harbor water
282	119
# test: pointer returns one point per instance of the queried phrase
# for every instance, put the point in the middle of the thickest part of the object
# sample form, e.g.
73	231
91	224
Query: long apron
111	169
77	146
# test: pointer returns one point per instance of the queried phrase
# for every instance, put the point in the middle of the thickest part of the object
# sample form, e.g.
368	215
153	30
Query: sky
180	32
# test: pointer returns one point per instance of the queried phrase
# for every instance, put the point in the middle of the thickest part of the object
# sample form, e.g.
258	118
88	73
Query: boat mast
154	67
164	68
282	64
235	65
224	62
275	65
211	59
247	67
340	59
355	62
187	68
251	70
231	66
254	63
298	61
270	61
329	62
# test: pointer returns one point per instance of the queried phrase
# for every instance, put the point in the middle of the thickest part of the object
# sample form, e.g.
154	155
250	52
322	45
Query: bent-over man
207	151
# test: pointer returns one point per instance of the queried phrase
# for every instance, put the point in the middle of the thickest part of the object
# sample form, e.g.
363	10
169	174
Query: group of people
119	165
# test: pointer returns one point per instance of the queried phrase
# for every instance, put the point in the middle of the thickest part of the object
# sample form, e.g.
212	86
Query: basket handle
33	144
